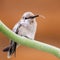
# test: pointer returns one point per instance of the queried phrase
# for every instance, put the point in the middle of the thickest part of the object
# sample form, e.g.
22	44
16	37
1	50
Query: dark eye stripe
26	18
29	18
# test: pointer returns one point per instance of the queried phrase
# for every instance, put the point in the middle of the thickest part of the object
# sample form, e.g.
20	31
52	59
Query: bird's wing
13	45
15	28
11	42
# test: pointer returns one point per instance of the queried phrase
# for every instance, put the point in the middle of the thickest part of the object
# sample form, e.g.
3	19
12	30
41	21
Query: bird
25	27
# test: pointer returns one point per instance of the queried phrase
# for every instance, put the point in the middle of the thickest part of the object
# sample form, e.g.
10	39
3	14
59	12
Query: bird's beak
31	17
34	16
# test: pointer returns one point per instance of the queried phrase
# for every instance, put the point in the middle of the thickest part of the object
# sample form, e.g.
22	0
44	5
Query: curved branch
29	43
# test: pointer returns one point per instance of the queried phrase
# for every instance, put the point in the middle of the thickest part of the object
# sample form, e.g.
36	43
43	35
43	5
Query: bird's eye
26	18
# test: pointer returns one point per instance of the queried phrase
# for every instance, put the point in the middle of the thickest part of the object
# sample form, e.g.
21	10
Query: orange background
48	30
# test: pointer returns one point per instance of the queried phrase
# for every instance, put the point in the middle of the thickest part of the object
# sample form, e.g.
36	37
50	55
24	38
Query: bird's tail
11	50
6	49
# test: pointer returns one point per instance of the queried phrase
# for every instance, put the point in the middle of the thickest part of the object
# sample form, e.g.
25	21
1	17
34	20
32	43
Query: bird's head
29	16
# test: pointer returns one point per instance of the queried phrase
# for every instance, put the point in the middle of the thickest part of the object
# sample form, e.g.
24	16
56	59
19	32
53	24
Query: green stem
30	43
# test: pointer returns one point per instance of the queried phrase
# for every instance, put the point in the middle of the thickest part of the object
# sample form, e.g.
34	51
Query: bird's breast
27	31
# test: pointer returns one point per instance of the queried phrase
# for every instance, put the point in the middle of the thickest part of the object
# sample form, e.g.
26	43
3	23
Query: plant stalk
28	42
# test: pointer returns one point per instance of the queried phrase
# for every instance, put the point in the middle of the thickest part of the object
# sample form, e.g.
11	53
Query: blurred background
48	30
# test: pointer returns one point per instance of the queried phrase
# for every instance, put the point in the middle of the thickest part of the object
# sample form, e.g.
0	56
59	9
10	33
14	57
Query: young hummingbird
26	27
